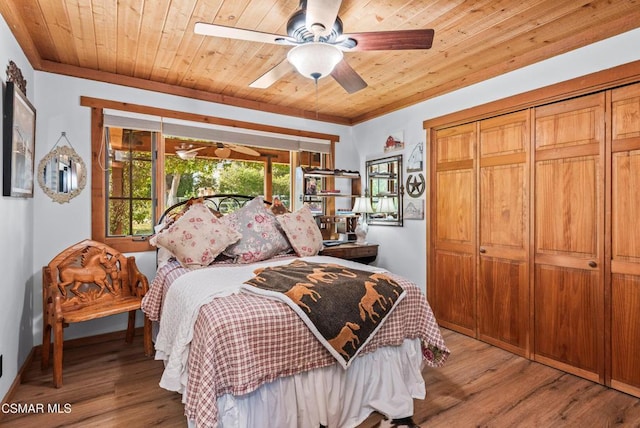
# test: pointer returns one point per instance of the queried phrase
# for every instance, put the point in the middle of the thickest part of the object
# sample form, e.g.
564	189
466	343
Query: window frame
129	243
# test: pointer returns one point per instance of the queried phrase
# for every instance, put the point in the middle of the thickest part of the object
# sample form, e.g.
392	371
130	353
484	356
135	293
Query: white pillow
303	231
197	237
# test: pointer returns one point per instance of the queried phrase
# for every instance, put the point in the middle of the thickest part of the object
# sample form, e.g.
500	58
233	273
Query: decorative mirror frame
390	179
82	176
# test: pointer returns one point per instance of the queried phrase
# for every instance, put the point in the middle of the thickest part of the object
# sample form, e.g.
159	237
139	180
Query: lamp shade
362	205
315	59
386	205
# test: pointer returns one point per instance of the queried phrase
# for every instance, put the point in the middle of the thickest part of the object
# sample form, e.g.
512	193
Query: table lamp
386	206
362	206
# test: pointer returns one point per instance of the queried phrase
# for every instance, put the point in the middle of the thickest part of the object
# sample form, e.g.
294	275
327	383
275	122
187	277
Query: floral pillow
262	237
303	231
197	237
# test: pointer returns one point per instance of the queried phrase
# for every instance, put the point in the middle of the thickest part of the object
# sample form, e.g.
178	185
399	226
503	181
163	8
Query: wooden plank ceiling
151	44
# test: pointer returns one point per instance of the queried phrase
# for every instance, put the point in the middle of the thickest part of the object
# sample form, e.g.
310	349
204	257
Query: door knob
593	264
483	250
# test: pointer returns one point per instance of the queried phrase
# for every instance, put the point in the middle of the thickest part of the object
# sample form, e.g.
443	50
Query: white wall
404	249
16	241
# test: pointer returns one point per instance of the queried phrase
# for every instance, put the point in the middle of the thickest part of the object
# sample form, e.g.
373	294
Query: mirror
384	181
62	174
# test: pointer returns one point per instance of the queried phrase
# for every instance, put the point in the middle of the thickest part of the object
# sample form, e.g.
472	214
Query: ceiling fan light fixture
186	155
315	60
223	152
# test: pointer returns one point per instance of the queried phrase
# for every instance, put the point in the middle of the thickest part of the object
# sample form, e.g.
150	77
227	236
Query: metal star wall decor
416	185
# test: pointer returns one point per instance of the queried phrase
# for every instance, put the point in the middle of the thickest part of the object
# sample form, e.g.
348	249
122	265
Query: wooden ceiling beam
134	82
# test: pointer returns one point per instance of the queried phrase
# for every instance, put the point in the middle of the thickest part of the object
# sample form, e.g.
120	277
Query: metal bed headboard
224	203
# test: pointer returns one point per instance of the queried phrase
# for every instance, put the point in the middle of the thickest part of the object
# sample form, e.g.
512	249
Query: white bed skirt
385	381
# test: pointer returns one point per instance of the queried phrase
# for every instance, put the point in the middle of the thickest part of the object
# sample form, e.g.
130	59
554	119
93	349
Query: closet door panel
572	123
569	236
503	207
503	304
625	240
625	333
454	224
451	288
625	230
566	207
453	302
503	278
566	304
625	123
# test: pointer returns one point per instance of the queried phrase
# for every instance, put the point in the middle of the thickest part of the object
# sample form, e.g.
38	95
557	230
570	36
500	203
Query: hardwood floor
108	383
484	386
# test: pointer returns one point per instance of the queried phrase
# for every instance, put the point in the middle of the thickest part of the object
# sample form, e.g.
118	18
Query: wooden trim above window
212	120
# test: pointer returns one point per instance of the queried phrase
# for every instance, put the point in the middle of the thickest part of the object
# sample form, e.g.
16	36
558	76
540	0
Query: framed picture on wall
18	143
414	162
414	209
395	141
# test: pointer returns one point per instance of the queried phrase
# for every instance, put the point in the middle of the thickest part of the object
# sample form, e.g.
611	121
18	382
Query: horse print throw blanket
343	307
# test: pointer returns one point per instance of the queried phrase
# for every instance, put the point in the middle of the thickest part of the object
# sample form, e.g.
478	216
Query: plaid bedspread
343	307
241	342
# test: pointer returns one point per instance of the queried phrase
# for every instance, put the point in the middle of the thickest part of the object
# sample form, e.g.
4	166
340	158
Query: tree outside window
132	189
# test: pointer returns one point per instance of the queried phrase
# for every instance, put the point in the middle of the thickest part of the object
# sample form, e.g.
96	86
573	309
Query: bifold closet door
569	235
503	272
625	240
451	288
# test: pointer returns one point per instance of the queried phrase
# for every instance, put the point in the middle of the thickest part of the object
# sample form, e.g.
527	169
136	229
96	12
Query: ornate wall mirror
384	181
61	173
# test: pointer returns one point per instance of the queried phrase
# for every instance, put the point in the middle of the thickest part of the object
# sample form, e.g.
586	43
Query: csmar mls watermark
26	408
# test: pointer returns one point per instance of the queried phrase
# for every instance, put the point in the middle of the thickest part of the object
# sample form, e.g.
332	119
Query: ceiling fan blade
273	75
241	34
322	12
243	149
391	40
194	150
348	78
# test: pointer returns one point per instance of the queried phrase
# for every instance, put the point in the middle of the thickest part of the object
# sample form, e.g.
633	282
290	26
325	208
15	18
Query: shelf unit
330	193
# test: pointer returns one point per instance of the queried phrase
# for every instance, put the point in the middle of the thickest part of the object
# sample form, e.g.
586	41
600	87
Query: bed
242	355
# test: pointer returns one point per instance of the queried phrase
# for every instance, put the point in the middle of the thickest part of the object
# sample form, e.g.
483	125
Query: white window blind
140	122
214	133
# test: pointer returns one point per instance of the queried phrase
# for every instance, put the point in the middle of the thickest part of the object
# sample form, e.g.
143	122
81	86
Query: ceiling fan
223	150
315	31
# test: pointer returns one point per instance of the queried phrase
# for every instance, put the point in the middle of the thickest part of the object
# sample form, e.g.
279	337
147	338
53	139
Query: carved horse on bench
95	268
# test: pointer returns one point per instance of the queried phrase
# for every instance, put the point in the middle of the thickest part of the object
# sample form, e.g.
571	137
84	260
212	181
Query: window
137	171
130	182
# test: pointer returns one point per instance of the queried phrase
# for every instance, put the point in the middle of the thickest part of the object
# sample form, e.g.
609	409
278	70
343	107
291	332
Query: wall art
18	148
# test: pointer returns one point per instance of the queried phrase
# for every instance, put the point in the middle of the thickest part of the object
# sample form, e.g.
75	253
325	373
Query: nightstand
366	253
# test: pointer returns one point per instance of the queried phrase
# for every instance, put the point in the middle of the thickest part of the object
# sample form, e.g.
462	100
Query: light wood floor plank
111	384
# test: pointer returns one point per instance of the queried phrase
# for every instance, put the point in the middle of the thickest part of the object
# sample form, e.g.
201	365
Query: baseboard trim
81	341
18	380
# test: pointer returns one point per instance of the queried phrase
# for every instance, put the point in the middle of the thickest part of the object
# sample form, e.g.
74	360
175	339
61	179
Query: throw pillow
262	237
303	231
197	237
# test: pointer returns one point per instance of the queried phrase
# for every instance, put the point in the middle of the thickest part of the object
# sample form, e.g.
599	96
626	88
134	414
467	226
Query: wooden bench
86	281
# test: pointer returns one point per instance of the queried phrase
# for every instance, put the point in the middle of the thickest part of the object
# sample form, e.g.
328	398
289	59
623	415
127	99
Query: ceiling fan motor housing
297	28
